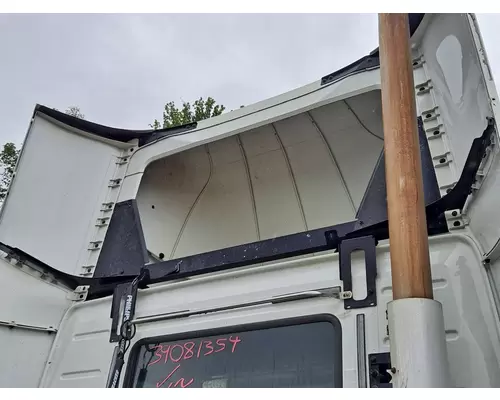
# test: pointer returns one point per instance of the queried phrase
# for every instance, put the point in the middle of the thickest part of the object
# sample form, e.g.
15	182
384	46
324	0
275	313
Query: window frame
128	381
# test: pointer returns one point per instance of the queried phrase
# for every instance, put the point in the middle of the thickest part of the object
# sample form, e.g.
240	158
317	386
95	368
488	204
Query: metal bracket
441	160
434	132
128	294
87	270
79	294
368	245
455	219
431	114
380	367
423	88
106	207
448	187
95	245
103	221
418	62
113	183
122	160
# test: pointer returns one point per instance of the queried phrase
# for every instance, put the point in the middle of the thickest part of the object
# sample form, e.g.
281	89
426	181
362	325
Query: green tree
8	159
201	109
75	112
9	155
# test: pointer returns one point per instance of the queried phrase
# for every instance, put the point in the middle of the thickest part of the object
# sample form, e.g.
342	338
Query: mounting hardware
441	160
379	367
455	219
79	294
423	88
122	160
103	221
87	270
128	294
418	62
114	183
346	247
107	206
430	115
96	245
434	132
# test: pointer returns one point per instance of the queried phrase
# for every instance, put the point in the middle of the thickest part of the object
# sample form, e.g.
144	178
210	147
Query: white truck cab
251	249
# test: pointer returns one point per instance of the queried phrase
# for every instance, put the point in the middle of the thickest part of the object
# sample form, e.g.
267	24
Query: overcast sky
121	69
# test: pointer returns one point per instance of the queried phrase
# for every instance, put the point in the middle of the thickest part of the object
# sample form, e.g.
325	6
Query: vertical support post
411	273
416	324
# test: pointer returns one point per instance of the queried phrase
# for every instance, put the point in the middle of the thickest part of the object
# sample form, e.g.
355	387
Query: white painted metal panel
54	200
455	65
26	300
24	357
459	281
355	143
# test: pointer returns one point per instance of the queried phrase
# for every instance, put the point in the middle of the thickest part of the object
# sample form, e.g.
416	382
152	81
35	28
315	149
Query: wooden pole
411	274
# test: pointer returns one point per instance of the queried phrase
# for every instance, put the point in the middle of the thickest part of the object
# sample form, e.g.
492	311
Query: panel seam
250	185
195	203
292	176
335	163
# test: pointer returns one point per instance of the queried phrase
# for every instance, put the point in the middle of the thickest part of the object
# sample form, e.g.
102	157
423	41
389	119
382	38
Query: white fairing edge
37	306
282	107
461	95
455	94
62	179
459	282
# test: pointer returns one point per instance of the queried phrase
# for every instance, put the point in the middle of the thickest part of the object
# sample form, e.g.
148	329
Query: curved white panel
323	196
56	195
356	141
223	216
304	172
172	186
449	57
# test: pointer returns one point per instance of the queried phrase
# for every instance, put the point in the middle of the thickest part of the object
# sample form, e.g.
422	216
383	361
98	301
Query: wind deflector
120	135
